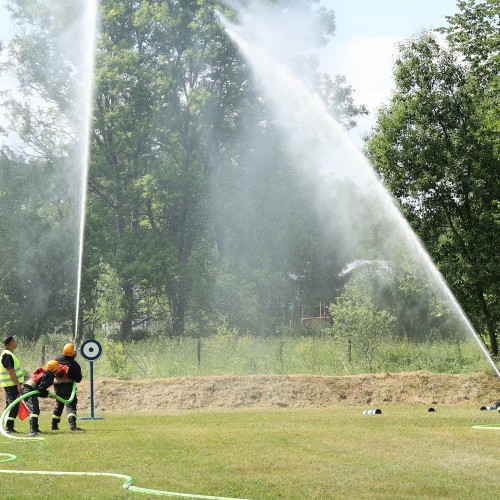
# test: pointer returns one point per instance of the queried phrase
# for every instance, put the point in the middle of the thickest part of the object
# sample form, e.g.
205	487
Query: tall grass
232	354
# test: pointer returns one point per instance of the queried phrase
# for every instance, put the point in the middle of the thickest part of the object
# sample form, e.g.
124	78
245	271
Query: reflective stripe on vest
5	380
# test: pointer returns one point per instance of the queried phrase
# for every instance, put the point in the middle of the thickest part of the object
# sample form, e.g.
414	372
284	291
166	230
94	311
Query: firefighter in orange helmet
40	380
69	372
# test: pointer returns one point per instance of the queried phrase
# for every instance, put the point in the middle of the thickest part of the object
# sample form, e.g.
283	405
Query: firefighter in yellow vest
11	379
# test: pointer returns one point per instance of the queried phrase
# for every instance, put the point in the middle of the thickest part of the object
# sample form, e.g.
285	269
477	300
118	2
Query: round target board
91	350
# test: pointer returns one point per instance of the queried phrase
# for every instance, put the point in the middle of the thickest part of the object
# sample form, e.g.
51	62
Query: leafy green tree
431	149
188	187
339	98
473	31
41	168
109	296
39	274
160	98
176	178
356	318
401	288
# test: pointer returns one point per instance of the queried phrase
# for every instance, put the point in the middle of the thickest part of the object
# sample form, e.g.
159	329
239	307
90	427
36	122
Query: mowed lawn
406	452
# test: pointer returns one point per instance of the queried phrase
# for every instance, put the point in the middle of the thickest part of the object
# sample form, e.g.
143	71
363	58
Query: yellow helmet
69	349
52	365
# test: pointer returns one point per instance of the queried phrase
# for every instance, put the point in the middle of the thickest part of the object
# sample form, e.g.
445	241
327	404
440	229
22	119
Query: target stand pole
91	389
91	350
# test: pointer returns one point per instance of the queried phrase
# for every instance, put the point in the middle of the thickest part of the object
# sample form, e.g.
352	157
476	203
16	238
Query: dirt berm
289	391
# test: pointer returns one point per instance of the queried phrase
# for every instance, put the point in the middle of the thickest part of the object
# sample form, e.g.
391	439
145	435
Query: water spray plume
330	162
90	24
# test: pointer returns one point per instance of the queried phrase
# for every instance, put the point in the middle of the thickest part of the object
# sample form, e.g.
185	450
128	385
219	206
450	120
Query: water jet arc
325	152
90	22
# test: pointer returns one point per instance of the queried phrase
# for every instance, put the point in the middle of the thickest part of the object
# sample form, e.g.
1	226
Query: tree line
195	216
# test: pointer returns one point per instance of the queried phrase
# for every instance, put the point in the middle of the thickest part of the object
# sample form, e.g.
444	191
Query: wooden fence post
42	356
198	352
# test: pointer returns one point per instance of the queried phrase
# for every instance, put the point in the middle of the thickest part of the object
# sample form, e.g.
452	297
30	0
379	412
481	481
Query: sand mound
288	391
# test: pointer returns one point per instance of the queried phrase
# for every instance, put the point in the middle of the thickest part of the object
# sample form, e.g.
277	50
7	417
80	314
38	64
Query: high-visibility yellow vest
5	380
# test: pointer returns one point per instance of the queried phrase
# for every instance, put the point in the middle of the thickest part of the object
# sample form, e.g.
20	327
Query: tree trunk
129	308
178	311
490	324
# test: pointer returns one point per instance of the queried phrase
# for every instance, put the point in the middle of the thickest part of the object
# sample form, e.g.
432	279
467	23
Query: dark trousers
32	402
64	392
11	395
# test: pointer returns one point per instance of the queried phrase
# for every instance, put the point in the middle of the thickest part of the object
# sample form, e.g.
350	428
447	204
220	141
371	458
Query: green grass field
406	452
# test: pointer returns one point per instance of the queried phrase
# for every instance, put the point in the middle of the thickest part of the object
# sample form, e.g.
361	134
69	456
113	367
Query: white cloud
367	63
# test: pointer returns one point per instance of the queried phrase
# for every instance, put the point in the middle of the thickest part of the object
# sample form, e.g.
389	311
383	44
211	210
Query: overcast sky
364	44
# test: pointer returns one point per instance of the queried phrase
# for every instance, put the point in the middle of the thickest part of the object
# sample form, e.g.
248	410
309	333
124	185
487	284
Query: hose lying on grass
128	479
5	414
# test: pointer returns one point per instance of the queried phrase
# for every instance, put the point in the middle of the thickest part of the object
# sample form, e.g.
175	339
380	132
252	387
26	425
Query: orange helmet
52	366
69	349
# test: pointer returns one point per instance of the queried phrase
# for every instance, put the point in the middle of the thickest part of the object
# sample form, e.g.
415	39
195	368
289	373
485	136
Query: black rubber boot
33	427
10	427
55	424
72	424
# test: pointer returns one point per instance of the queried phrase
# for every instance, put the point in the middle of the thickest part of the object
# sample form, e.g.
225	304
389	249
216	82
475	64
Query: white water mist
331	163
